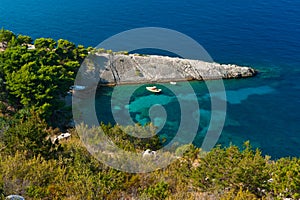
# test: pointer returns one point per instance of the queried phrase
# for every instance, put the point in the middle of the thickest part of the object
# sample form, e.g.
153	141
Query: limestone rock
123	69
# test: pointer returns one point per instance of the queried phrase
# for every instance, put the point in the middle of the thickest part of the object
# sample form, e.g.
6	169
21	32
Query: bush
240	195
285	182
230	168
158	191
29	135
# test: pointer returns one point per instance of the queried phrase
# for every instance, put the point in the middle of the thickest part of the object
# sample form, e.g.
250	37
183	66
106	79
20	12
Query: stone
133	69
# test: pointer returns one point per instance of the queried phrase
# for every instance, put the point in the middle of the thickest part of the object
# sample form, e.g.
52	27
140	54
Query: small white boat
153	89
173	83
77	87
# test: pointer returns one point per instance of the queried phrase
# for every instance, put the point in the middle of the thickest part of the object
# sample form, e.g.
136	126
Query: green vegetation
33	83
37	78
66	170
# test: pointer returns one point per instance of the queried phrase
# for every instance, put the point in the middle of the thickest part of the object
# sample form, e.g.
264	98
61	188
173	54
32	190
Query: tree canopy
6	35
37	77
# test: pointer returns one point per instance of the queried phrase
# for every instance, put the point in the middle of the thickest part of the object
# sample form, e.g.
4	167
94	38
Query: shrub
230	168
285	182
29	135
158	191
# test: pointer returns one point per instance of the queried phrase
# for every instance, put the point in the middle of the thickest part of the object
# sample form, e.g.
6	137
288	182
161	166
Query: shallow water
252	112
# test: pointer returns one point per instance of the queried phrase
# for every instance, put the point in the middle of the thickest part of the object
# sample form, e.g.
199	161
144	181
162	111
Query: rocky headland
133	68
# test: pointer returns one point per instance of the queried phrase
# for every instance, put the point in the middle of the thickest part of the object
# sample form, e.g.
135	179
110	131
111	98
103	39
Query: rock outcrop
3	46
132	68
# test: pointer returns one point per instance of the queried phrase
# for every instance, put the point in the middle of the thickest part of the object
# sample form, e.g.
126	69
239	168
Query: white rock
149	153
62	136
147	69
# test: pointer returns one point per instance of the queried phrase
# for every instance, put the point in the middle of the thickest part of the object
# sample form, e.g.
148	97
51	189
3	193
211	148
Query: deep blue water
262	34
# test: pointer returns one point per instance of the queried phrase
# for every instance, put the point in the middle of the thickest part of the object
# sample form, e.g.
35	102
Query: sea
262	34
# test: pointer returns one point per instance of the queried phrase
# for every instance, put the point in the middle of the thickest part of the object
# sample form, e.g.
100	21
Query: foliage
241	195
157	191
285	180
231	168
38	78
45	43
119	136
223	173
24	39
29	135
6	35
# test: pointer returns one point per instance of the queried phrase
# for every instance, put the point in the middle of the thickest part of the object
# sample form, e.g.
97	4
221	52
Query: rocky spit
133	69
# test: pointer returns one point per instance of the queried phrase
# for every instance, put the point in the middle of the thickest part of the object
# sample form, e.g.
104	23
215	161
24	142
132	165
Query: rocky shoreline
133	69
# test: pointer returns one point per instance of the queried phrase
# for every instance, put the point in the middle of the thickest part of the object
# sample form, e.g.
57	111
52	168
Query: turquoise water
252	112
262	34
